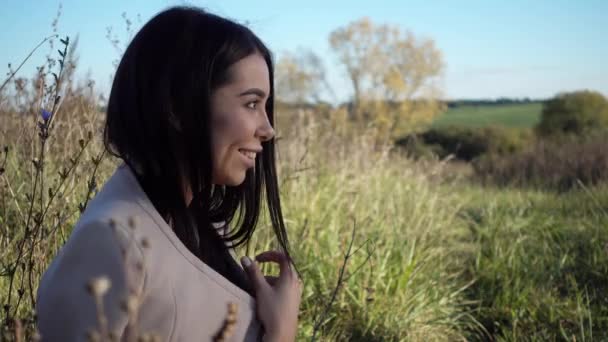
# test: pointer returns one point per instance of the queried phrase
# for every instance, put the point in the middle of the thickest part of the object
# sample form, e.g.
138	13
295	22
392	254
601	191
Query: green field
511	115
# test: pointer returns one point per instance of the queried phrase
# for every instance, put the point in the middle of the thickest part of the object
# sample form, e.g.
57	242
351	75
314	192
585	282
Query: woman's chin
234	179
237	182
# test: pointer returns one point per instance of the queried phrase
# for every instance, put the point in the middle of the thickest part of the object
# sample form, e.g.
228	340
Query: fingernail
246	261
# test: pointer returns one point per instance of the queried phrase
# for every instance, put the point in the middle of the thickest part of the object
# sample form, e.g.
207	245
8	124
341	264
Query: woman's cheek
237	127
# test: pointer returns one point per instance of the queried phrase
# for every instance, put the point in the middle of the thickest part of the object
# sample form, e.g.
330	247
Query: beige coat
180	298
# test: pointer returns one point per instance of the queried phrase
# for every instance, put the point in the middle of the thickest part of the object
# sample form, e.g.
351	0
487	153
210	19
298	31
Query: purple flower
46	115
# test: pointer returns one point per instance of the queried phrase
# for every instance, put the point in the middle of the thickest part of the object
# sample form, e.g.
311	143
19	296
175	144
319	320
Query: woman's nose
265	131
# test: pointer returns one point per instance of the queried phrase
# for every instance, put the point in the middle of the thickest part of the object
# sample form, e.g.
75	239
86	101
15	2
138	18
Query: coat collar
125	182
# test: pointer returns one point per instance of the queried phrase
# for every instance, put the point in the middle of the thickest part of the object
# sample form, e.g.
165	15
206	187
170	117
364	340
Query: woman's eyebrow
253	91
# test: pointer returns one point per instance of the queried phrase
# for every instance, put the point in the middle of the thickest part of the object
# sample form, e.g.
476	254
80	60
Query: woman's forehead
250	72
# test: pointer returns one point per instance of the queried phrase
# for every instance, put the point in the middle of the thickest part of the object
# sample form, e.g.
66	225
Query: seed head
132	222
129	305
93	336
99	286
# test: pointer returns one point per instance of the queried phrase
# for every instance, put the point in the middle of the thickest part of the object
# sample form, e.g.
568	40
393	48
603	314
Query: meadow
390	249
519	115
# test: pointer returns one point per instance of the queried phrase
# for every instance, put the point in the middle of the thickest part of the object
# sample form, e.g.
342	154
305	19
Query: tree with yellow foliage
300	78
394	76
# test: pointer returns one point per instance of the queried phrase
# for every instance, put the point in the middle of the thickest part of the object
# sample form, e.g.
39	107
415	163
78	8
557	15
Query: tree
393	74
575	113
300	78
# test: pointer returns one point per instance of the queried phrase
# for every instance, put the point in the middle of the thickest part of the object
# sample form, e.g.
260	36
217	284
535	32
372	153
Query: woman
190	114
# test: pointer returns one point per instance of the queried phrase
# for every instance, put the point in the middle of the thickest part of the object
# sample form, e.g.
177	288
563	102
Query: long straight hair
159	123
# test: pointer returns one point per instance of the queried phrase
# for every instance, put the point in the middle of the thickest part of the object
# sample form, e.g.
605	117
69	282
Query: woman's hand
277	298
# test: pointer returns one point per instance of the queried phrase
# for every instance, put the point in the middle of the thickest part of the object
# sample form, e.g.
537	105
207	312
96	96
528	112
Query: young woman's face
240	121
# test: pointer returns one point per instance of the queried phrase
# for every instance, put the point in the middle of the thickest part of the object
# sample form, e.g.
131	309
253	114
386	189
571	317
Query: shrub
576	113
467	143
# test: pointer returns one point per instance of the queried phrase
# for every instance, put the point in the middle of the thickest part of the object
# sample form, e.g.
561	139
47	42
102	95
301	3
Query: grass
439	259
434	258
540	264
510	115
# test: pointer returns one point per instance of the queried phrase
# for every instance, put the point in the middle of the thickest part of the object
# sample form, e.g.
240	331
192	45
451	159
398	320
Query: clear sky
491	48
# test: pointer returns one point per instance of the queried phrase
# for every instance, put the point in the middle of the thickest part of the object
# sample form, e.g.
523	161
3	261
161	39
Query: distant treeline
488	102
449	103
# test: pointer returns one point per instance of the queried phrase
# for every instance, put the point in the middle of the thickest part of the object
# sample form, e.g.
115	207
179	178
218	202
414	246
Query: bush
467	143
576	113
554	164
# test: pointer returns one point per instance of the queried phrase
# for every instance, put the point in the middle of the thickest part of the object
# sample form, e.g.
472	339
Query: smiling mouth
248	154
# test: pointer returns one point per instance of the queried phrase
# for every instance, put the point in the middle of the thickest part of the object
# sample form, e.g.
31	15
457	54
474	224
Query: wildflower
46	115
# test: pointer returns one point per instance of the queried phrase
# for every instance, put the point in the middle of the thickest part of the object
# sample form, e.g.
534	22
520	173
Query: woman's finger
254	273
278	257
272	280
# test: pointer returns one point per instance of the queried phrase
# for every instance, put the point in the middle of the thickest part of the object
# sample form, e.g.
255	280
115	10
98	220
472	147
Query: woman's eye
252	105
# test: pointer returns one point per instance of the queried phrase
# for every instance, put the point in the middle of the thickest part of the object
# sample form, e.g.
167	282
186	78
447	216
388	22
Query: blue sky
491	48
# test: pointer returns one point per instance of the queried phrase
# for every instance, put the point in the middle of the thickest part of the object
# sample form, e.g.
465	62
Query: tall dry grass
558	164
